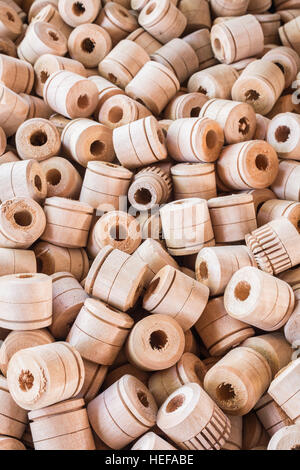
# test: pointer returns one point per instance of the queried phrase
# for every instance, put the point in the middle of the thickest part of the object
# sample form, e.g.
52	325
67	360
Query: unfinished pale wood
44	375
16	74
106	90
283	135
289	34
270	24
13	419
287	184
271	415
14	110
150	225
254	434
93	379
291	329
259	6
287	59
262	126
10	22
274	208
200	42
123	412
37	139
194	180
197	14
287	438
62	178
8	47
145	40
151	441
235	440
89	44
114	375
33	7
75	13
288	15
214	82
257	298
117	20
37	107
120	110
185	105
150	187
8	443
50	14
229	8
8	157
17	261
155	343
285	104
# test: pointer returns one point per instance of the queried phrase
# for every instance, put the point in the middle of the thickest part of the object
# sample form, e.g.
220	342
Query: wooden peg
151	186
145	40
116	374
8	443
200	42
37	139
117	20
286	185
89	44
120	110
94	375
271	415
152	441
194	180
13	418
283	135
76	13
228	8
62	178
214	82
10	22
14	110
16	74
287	438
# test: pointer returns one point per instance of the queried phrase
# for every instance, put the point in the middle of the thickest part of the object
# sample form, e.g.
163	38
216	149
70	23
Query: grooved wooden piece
214	82
286	185
62	178
76	13
10	23
89	44
13	419
114	375
271	415
37	139
120	110
93	379
150	187
117	20
197	13
194	180
16	74
14	110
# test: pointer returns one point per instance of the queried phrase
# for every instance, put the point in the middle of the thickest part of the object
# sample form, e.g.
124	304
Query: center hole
25	276
78	8
23	218
118	232
175	403
202	90
44	75
242	291
10	17
280	66
244	126
26	380
97	148
252	95
150	9
282	133
83	101
53	177
143	196
38	182
158	340
261	162
38	138
112	78
203	271
143	398
115	114
53	35
88	45
225	392
211	139
195	112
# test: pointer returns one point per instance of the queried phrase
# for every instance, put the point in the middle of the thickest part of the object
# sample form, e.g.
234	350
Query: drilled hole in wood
225	392
26	380
10	17
242	291
115	114
252	95
203	271
158	340
53	35
118	232
195	112
88	45
97	148
23	218
202	90
38	182
280	66
78	8
44	75
53	177
143	196
83	101
143	398
211	139
175	403
112	78
244	126
282	134
38	138
261	162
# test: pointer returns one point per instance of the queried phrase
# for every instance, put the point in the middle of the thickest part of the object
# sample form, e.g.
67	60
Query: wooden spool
116	278
187	226
289	34
283	135
17	340
274	209
33	7
152	441
285	104
54	259
106	90
200	42
62	178
50	14
287	184
44	375
59	121
215	266
185	105
145	40
288	61
94	375
271	415
37	139
175	294
214	82
238	120
89	44
13	419
238	380
225	8
270	24
123	412
150	187
14	110
291	329
155	343
245	299
120	110
287	438
70	94
288	15
76	13
99	332
10	23
16	74
117	20
194	180
190	369
116	374
218	331
150	225
63	426
259	6
37	107
8	443
198	424
22	222
197	14
139	143
16	261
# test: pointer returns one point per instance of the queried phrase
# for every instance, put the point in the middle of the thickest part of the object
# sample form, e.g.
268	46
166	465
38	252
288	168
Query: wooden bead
70	94
287	438
16	261
232	217
117	229
68	222
37	139
89	44
75	13
16	74
33	7
116	278
237	39
49	14
144	39
194	180
173	293
123	412
185	105
286	185
288	61
99	332
8	443
93	379
271	415
62	178
22	222
120	110
252	164
289	34
68	298
104	185
246	300
200	42
116	374
195	140
54	259
198	424
260	85
285	104
85	140
44	375
197	14
214	82
152	441
238	380
155	343
150	225
117	20
237	120
189	369
285	390
283	135
270	24
150	187
63	426
37	107
139	143
275	246
235	440
17	340
12	418
163	21
274	209
218	331
14	110
10	23
106	90
229	8
153	86
47	64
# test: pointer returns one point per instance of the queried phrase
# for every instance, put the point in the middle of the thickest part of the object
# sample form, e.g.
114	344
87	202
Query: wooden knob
89	44
13	418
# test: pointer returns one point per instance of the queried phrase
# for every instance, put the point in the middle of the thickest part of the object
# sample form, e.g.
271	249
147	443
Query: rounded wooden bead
154	86
63	426
68	222
287	59
14	110
287	184
275	246
197	14
139	143
214	82
123	412
117	20
285	390
283	135
271	415
62	178
228	8
218	331
16	74
13	419
155	343
185	105
89	44
75	13
192	420
85	140
200	42
47	64
245	299
215	266
114	375
190	369
252	164
116	278
173	293
17	340
22	222
120	110
144	39
16	261
286	438
10	23
194	180
99	332
152	441
70	94
68	298
117	229
93	379
150	186
195	140
238	120
260	85
274	208
37	139
8	443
